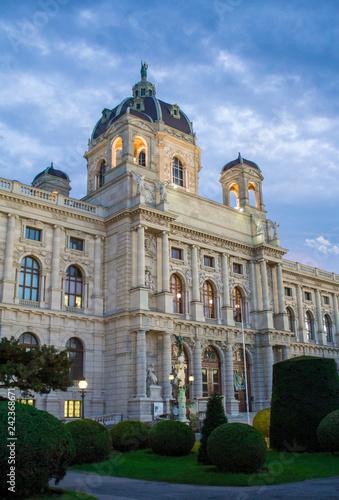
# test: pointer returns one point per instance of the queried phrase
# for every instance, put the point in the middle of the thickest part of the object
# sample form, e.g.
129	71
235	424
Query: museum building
114	276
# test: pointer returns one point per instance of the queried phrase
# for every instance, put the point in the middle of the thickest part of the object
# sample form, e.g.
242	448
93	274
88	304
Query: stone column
285	352
336	313
197	367
321	336
141	364
141	257
281	294
263	272
8	261
55	275
224	271
165	262
195	275
269	370
300	314
167	365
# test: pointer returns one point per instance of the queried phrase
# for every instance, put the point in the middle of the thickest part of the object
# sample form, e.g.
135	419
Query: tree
41	369
215	416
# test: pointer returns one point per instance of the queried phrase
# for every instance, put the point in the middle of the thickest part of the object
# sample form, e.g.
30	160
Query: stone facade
143	230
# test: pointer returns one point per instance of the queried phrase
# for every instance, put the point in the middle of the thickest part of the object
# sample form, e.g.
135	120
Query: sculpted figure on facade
151	378
139	179
162	188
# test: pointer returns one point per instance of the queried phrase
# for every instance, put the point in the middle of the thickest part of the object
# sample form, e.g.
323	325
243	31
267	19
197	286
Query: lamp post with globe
179	384
83	384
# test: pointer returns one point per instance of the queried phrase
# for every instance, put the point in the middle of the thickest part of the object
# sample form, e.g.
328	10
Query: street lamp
83	384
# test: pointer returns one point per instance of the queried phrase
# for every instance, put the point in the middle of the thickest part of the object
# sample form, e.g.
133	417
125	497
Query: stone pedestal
154	392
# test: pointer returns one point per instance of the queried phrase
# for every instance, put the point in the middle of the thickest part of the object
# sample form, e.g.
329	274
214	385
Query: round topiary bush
237	448
171	438
262	421
130	435
42	451
92	441
328	432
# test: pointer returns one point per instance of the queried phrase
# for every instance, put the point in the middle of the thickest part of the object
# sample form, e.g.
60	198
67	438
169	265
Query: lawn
59	494
278	468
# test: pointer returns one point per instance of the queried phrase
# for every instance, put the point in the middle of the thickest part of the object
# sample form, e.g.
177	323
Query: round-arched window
208	300
176	291
76	353
28	340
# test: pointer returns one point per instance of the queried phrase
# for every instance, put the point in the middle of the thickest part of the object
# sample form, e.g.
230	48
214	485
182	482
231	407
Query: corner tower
242	179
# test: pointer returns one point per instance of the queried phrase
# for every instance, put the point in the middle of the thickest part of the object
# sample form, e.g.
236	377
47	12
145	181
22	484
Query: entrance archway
239	380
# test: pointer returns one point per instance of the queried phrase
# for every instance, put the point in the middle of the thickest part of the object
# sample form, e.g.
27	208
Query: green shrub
92	441
328	432
305	390
215	416
43	450
262	421
171	438
130	435
237	448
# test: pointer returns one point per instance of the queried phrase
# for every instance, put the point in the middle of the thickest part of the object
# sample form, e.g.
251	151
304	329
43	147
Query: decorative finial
240	158
143	71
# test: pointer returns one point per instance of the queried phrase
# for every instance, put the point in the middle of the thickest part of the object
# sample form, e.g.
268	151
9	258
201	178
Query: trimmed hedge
91	439
305	390
328	432
262	421
130	435
171	438
237	448
215	416
43	450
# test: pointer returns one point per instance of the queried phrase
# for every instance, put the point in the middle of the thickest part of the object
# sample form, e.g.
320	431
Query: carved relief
150	245
149	283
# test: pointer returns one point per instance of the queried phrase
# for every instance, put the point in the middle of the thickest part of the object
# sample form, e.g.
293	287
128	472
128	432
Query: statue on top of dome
143	71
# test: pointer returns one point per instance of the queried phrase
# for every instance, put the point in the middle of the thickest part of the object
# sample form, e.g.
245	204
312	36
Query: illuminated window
73	287
28	340
29	279
76	353
176	291
33	234
142	158
328	328
177	172
236	297
72	409
208	300
29	402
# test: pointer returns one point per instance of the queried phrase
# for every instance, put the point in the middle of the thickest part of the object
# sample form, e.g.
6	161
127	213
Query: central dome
145	106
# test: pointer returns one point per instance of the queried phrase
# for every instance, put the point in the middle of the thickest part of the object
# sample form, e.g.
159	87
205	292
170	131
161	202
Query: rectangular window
308	296
33	234
30	402
76	243
288	291
326	300
208	261
176	253
237	268
204	383
216	380
72	409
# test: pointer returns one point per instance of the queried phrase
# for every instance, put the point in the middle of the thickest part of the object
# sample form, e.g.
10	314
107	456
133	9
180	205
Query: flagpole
244	353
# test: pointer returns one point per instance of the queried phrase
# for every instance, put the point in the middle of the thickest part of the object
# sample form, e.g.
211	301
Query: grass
61	494
282	468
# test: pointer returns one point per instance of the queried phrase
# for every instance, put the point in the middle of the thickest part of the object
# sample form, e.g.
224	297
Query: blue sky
254	76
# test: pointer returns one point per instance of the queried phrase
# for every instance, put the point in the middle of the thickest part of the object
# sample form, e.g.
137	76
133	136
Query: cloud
322	245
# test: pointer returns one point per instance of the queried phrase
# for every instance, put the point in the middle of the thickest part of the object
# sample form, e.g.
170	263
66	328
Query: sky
259	77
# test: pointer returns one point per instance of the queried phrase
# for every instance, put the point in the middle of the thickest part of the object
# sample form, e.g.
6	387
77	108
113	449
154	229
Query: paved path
117	488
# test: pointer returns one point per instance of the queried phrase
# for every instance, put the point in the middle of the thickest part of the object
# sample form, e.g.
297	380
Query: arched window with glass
177	293
73	287
28	340
142	158
101	172
309	325
211	380
237	305
177	172
75	351
328	328
208	300
29	279
291	322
